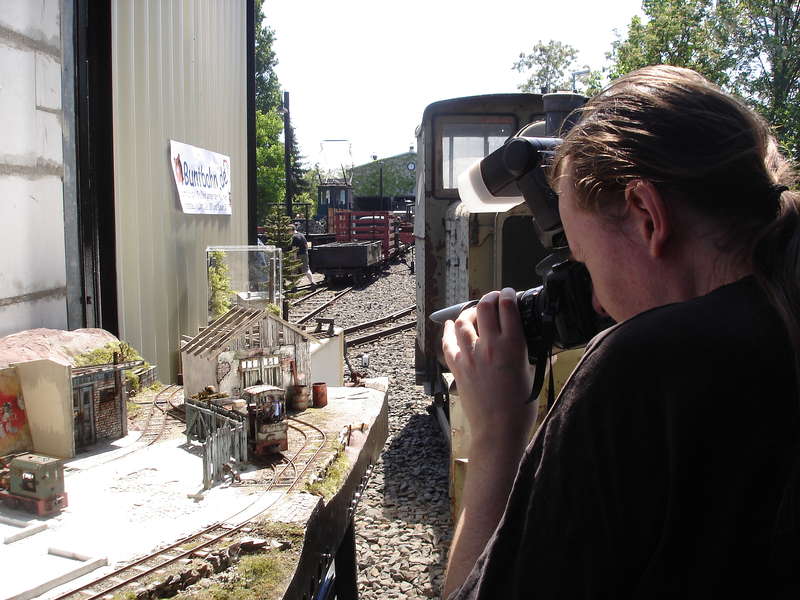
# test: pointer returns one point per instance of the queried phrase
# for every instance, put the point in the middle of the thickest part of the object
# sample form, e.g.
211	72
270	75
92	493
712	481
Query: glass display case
248	276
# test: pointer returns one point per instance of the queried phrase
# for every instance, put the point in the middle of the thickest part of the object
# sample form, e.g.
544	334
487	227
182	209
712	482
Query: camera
559	313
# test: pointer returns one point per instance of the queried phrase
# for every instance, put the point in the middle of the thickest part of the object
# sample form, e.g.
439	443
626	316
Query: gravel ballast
403	527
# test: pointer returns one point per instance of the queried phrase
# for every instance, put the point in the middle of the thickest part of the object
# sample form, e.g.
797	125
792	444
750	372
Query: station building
94	91
386	183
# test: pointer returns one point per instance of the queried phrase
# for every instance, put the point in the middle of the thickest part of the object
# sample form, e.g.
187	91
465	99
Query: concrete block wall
32	256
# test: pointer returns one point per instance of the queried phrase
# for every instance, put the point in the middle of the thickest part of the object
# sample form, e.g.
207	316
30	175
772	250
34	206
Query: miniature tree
219	282
279	234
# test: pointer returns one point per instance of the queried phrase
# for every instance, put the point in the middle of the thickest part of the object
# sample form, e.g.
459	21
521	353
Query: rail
318	309
376	335
126	575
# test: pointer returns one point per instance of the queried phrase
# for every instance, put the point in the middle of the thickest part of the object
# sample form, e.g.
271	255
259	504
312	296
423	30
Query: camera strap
538	380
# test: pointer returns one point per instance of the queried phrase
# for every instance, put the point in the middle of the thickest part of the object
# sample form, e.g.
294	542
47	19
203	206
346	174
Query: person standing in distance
669	465
299	242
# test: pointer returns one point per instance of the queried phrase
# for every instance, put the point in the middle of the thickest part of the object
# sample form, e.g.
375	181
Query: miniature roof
237	320
232	324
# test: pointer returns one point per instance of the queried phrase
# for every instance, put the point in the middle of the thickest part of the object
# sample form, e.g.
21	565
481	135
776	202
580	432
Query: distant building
399	176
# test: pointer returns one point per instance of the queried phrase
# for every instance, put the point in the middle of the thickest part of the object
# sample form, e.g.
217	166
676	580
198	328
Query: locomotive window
28	481
463	140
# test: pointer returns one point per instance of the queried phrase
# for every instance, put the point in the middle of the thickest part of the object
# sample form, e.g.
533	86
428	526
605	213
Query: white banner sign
203	179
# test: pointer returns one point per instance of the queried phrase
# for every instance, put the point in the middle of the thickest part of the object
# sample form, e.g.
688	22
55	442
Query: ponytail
776	266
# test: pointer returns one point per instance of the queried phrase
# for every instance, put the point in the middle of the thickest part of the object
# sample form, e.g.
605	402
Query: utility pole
380	167
287	159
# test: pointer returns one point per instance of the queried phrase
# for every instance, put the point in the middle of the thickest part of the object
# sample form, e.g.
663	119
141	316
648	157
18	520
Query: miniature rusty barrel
319	394
297	397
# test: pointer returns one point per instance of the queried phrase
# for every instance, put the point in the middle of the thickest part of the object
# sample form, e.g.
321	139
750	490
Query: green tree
297	171
270	178
279	234
219	282
686	33
547	66
746	46
268	100
268	89
765	36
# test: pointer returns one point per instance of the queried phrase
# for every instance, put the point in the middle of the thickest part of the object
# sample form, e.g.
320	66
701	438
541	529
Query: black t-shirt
664	469
299	242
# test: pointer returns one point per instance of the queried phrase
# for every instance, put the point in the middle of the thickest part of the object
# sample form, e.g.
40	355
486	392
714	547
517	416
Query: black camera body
559	313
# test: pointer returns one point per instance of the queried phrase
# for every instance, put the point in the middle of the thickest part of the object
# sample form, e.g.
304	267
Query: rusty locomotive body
460	255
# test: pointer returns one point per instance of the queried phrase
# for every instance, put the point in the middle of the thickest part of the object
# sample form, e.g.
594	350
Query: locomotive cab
462	255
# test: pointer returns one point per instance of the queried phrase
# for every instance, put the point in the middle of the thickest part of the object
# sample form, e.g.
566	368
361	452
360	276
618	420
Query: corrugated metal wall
179	72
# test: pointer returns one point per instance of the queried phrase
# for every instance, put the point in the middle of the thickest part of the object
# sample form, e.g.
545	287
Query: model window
465	140
264	370
272	371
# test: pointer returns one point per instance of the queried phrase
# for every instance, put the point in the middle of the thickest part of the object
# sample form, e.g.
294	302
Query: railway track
157	418
376	329
307	308
285	478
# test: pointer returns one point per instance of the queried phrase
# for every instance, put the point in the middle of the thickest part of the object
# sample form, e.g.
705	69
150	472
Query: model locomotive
267	425
34	483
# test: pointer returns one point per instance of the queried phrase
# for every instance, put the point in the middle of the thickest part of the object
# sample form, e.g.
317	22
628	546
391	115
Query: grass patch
258	576
134	410
335	474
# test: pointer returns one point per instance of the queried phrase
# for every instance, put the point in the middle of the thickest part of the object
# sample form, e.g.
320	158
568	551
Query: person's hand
486	352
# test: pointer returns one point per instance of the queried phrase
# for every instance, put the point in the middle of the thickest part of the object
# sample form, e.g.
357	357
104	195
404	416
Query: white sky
365	70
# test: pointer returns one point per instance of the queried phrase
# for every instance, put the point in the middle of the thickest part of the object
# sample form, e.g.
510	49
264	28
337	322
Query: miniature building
246	347
49	406
99	403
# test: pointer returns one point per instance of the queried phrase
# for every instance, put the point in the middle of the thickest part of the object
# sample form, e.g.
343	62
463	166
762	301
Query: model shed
245	347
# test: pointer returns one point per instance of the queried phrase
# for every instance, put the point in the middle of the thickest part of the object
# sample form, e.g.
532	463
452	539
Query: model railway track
372	330
321	301
157	417
314	440
285	479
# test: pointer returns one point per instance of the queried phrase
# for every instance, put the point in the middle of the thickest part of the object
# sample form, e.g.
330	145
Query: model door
83	412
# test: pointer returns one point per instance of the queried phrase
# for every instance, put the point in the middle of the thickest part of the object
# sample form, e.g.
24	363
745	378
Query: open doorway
95	164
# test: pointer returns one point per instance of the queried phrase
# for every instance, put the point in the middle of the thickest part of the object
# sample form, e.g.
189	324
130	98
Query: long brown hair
674	128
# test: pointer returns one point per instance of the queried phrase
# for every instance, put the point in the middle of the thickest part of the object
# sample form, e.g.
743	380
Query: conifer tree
279	234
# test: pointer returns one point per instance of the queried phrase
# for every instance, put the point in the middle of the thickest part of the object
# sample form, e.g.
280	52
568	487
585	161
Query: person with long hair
668	465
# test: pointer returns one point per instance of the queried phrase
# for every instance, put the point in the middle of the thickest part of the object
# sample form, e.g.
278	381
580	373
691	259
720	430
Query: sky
365	70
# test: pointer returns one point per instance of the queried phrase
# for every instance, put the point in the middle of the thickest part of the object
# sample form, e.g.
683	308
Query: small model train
33	483
266	419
